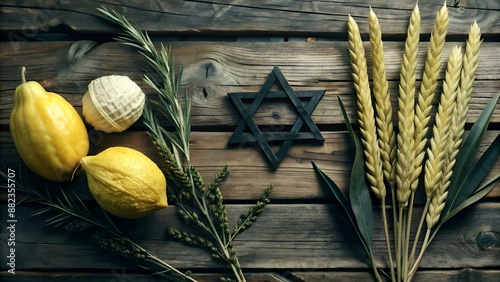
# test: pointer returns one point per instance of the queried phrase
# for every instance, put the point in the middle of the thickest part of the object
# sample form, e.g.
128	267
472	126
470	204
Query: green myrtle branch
198	204
73	214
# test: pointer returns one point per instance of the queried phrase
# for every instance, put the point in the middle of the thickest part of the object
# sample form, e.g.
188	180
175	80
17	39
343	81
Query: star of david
263	138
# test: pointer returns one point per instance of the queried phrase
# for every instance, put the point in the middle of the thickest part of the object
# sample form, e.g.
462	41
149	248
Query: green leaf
359	210
478	194
482	167
359	192
339	196
464	180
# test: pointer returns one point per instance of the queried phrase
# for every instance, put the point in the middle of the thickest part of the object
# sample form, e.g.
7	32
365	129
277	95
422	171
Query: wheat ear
437	164
469	66
383	107
427	90
406	112
467	77
459	116
365	110
385	128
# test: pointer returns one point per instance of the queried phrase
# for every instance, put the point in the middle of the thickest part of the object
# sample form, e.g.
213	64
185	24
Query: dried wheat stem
365	110
437	154
406	112
427	89
383	107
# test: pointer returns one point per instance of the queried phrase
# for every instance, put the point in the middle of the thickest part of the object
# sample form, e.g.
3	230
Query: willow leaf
342	201
478	194
482	167
359	192
458	192
359	210
475	177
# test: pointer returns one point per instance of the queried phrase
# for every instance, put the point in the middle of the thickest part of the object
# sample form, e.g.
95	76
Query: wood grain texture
211	70
467	274
229	46
286	237
291	17
123	274
294	180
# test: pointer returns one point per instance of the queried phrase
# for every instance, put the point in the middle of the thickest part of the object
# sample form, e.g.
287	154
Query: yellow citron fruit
125	182
48	133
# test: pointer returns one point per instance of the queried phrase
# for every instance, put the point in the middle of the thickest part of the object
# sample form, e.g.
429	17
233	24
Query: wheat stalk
463	82
385	128
427	90
437	175
406	113
365	110
405	139
469	66
467	77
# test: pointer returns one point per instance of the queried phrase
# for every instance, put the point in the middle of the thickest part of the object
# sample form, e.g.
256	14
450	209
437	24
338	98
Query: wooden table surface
231	46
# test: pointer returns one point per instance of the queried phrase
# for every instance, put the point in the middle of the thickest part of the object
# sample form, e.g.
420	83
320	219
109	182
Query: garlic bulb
113	103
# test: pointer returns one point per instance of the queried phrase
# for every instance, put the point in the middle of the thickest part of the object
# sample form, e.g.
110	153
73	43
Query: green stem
400	239
407	236
233	261
434	233
237	270
395	223
23	74
419	229
387	241
166	265
425	244
375	270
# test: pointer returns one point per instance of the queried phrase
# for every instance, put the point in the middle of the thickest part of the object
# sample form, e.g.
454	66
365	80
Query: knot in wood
202	93
79	49
209	69
276	115
487	239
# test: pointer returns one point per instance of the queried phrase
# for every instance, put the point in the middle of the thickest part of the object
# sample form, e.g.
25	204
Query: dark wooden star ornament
303	129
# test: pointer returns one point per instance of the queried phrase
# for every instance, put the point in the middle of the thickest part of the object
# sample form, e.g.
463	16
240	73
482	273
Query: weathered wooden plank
466	274
285	237
294	179
31	18
301	236
211	70
124	274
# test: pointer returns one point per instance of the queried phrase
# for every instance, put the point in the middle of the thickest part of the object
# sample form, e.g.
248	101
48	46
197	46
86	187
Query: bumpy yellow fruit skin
125	182
48	133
